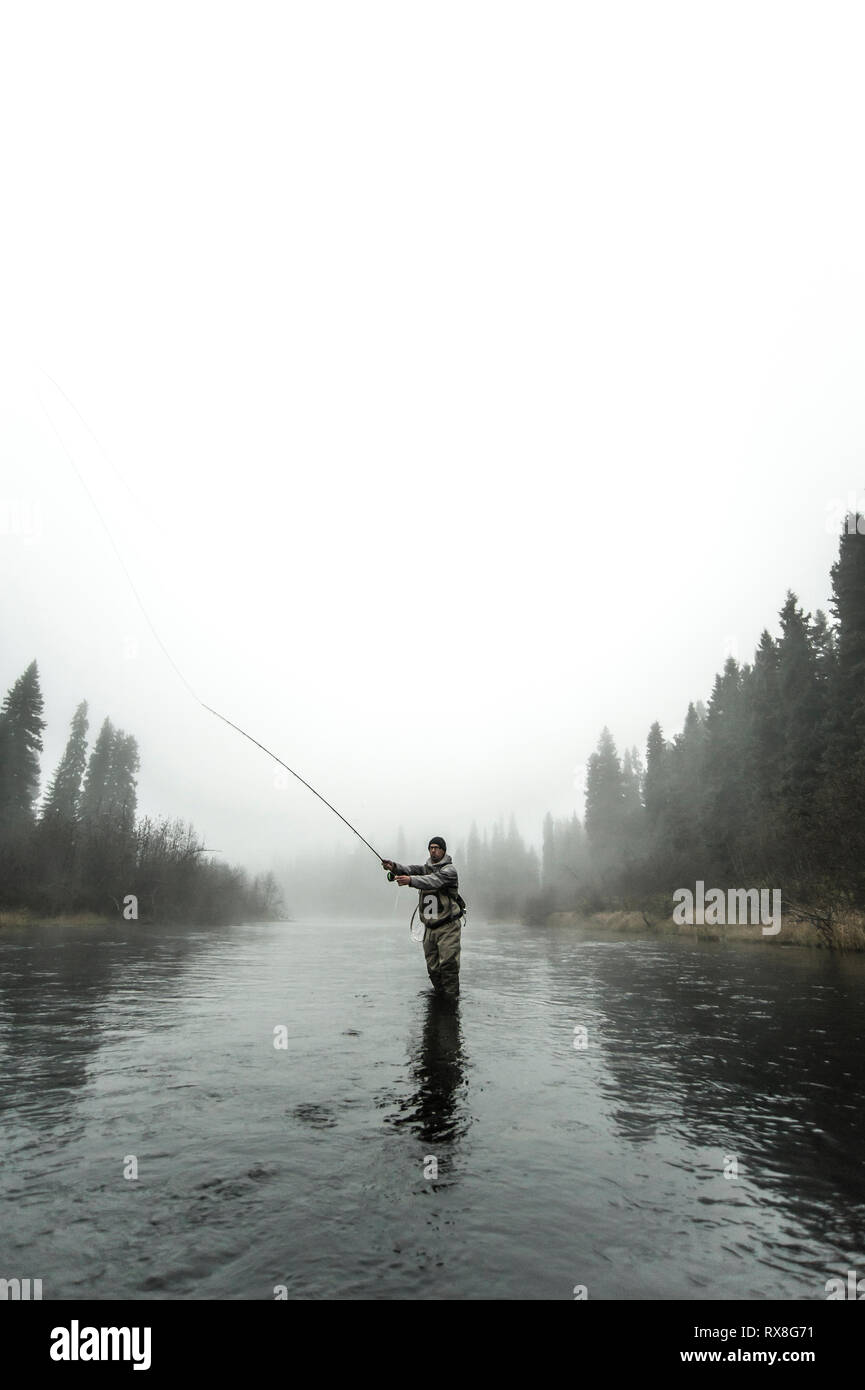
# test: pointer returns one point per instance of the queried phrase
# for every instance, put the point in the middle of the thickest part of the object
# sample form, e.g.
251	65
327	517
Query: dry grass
848	929
23	917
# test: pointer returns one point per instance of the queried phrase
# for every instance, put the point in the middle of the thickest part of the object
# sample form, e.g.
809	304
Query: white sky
465	377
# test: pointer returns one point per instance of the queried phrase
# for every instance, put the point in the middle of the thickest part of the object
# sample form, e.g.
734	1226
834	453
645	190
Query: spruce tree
94	798
687	788
803	710
656	785
121	786
58	837
63	797
766	732
473	855
848	606
21	726
572	837
842	800
632	782
605	803
548	851
762	823
723	782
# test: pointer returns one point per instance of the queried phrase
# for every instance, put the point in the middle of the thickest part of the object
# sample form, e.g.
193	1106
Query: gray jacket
437	885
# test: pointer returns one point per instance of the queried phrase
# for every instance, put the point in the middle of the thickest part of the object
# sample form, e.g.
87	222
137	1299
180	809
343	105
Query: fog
453	382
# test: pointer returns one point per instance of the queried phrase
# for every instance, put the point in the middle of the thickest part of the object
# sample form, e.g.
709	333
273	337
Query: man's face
436	853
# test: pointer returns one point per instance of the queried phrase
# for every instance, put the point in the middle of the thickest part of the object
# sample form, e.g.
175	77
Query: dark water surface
313	1165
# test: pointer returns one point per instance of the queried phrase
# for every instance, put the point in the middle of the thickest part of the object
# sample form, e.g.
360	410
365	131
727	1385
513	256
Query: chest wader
441	913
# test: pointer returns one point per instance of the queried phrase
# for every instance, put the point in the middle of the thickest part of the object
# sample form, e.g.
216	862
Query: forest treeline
763	787
82	849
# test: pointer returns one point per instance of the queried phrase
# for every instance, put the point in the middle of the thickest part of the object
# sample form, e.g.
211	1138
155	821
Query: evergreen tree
108	804
571	837
569	871
473	856
513	877
485	874
842	799
94	807
723	782
766	733
632	783
605	799
64	793
656	786
803	710
687	771
848	606
764	752
633	820
498	874
548	852
21	726
825	648
58	838
120	786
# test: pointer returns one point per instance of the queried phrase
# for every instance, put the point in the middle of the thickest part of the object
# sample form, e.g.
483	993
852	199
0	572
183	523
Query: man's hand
403	880
387	864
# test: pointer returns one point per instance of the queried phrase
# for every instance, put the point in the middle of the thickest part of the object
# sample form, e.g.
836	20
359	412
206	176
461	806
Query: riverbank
847	930
23	917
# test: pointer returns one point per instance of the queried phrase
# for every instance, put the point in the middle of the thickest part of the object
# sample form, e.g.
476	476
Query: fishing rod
294	774
150	624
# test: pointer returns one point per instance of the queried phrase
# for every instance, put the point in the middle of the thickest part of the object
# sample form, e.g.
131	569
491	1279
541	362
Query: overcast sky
455	379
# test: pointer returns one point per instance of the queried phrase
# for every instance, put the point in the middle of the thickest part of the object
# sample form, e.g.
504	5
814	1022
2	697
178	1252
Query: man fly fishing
441	909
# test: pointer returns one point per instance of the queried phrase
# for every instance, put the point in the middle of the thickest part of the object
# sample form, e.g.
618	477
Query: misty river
281	1110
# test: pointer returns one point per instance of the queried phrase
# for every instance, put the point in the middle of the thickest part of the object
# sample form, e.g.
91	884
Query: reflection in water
54	984
747	1056
437	1109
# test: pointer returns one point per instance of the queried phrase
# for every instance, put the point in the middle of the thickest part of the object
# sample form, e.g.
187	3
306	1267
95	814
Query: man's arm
445	877
407	869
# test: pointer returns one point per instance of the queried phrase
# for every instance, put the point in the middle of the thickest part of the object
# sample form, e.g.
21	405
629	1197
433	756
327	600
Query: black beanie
437	840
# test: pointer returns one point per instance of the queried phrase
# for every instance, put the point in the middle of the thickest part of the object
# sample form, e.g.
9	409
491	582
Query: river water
280	1109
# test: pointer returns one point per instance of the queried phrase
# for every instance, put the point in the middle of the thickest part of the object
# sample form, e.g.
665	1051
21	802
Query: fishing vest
437	906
